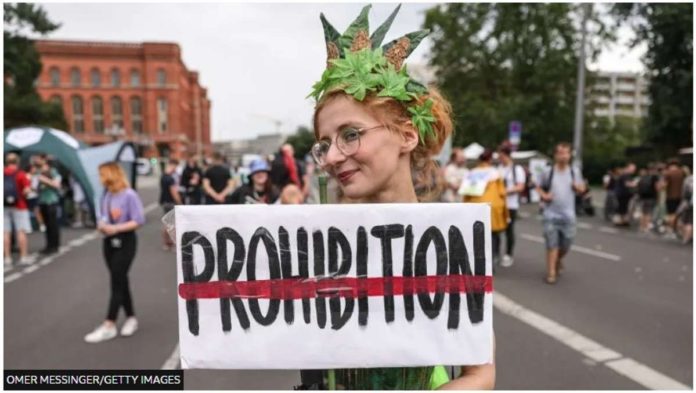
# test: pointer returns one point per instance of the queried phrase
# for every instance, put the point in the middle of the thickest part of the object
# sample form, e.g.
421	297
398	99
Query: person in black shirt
624	194
647	193
285	169
169	196
191	181
217	182
259	189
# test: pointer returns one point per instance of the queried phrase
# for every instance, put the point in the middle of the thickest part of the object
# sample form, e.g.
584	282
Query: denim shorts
559	233
20	219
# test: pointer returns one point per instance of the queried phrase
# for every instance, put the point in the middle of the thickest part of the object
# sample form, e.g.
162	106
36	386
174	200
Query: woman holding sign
376	130
121	213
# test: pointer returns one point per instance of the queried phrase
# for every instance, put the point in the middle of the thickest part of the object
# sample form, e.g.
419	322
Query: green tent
59	144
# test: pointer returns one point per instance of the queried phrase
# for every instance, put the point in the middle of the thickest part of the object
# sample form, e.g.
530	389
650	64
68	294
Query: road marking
627	367
12	277
78	242
172	362
584	225
608	230
580	249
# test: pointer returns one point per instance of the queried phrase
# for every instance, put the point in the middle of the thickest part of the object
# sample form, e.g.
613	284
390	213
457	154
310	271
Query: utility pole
580	100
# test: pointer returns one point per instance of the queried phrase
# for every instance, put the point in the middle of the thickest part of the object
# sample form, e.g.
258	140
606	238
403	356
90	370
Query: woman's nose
333	156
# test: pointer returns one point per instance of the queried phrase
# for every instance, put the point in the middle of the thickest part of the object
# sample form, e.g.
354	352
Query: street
620	317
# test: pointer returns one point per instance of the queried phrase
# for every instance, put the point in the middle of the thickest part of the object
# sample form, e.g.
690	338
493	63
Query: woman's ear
410	138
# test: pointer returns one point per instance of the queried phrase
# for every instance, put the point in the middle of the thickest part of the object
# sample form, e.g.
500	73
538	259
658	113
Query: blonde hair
427	179
113	177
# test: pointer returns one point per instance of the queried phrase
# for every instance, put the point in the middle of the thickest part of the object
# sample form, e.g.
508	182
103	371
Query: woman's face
382	153
260	178
102	178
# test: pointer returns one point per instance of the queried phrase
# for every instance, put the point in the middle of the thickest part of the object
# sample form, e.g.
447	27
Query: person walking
259	189
217	182
625	186
169	197
191	181
15	210
609	183
484	184
120	215
561	182
49	201
514	178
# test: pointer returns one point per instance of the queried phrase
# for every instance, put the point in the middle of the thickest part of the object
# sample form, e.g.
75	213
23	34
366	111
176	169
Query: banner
334	286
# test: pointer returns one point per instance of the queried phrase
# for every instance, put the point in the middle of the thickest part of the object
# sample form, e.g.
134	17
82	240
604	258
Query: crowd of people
37	196
657	197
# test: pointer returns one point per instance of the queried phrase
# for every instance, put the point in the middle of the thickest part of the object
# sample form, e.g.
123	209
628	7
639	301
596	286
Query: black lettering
302	257
188	239
361	266
286	266
274	268
431	308
338	239
318	243
386	233
408	272
476	306
222	236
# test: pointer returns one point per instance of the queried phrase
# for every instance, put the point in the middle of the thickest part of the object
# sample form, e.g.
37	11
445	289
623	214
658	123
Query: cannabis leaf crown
357	65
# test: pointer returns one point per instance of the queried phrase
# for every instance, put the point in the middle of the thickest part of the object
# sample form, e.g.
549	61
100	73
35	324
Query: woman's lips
345	175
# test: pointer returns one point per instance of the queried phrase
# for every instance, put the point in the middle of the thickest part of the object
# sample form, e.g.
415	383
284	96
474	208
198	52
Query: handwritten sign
334	286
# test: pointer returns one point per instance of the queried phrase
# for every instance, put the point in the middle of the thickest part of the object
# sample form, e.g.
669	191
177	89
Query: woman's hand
473	378
107	229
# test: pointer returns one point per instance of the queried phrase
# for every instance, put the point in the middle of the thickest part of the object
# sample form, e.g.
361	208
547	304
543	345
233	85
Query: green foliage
502	62
605	144
22	104
667	29
301	141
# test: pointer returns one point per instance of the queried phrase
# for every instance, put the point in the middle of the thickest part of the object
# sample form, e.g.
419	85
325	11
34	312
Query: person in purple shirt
120	214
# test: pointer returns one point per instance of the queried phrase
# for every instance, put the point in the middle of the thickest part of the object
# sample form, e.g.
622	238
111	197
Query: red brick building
139	92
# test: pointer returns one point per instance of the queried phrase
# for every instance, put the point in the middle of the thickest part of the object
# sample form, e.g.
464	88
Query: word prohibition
453	276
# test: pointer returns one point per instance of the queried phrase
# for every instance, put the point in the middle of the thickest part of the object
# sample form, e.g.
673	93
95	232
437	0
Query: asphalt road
619	318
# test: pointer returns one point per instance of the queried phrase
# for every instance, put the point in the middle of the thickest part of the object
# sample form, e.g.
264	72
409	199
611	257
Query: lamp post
580	99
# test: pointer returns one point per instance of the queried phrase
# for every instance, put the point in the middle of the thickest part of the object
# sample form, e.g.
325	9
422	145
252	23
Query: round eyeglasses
347	142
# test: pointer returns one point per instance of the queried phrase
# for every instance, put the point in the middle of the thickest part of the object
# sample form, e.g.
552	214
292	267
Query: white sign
334	286
476	180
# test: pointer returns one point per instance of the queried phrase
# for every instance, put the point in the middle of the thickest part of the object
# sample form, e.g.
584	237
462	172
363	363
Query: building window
117	112
98	114
135	78
75	77
55	76
161	78
78	114
95	77
136	115
115	78
162	115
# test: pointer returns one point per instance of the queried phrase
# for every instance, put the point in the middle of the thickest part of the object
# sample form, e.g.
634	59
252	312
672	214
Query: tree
502	62
301	141
23	66
667	29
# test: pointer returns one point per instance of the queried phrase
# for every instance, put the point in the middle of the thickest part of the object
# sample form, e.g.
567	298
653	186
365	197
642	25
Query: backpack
11	194
547	184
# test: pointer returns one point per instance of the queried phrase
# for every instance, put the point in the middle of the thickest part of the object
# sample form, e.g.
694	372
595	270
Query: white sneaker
8	263
42	228
26	261
507	261
101	333
129	327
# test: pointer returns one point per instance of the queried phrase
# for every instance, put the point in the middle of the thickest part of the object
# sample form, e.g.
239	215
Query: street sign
515	132
334	286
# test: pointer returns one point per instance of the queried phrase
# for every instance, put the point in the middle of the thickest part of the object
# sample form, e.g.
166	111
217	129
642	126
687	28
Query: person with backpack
647	195
514	178
16	210
560	183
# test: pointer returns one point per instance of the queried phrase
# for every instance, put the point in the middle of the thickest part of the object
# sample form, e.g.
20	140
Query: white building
620	94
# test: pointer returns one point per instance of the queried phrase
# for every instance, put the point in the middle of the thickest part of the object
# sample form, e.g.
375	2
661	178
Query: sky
258	61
